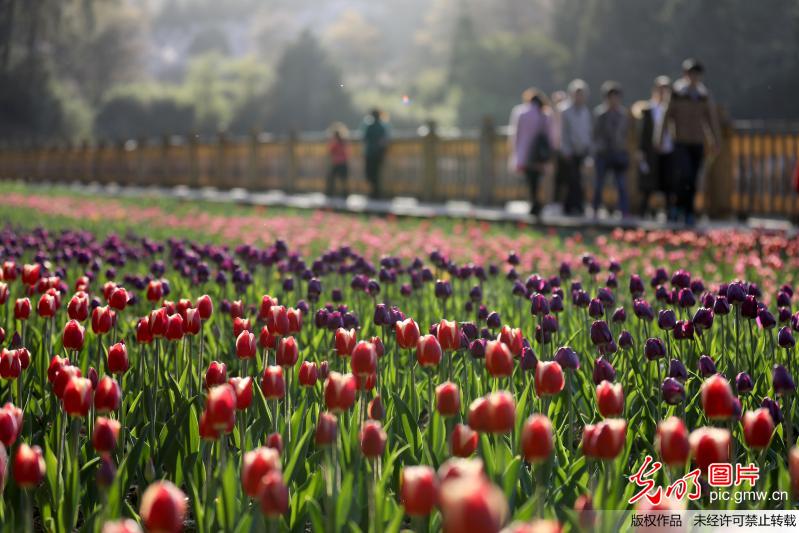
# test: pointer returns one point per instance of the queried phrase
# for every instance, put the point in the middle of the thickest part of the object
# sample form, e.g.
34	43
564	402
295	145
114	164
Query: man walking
375	145
611	122
575	144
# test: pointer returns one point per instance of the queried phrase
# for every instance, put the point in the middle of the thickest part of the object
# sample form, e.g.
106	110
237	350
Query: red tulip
108	395
463	441
216	374
9	270
236	309
512	338
287	352
29	466
22	309
144	334
610	399
255	465
363	359
10	365
163	508
66	373
793	469
499	359
273	494
245	345
24	358
207	431
31	273
78	397
671	442
418	490
243	388
448	399
365	382
710	445
379	348
295	320
174	328
375	409
758	428
278	321
155	290
494	413
192	322
73	336
221	407
108	288
345	341
537	438
373	439
239	325
326	429
472	504
56	363
47	306
308	374
205	306
11	419
428	351
272	383
549	378
159	319
102	320
461	468
105	434
407	333
78	306
266	340
448	335
267	302
3	293
118	362
118	299
717	398
275	441
604	440
339	392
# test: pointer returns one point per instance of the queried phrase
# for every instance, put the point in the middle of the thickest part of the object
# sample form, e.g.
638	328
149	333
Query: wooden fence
751	175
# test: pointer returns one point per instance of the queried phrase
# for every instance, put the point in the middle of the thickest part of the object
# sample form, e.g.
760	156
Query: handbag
541	149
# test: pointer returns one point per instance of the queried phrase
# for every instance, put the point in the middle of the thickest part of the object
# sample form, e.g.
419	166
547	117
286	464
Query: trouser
617	163
337	172
561	178
573	175
373	165
688	160
533	176
663	180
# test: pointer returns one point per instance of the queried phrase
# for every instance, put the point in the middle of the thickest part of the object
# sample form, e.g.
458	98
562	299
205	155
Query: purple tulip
600	333
773	408
619	315
493	320
782	381
603	371
538	304
706	366
478	348
567	358
735	293
666	319
681	279
765	319
654	349
595	308
749	307
528	359
556	303
643	310
785	338
743	383
721	306
783	299
636	286
672	391
677	370
703	318
625	340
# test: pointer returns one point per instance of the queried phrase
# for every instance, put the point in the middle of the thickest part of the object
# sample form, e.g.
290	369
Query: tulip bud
610	399
706	366
463	441
255	465
671	442
163	507
428	351
29	466
174	327
243	390
494	413
418	490
710	445
266	340
717	398
272	383
77	396
105	435
339	392
472	504
118	362
567	358
448	399
498	359
216	374
604	440
273	494
677	370
537	441
308	374
22	309
11	419
373	439
102	320
375	409
513	339
326	429
549	378
220	407
654	349
782	381
345	341
363	359
744	383
10	365
672	391
107	396
73	336
758	428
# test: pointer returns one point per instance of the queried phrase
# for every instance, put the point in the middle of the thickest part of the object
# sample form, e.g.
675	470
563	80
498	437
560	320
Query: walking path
515	212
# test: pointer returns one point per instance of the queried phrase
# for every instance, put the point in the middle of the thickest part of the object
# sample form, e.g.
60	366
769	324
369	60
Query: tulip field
176	367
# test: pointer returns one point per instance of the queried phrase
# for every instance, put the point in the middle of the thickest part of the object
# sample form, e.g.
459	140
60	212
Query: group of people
677	124
375	135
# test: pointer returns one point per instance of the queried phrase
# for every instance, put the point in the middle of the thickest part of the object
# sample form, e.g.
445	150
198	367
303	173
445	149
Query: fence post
194	167
252	162
220	177
430	163
292	167
487	142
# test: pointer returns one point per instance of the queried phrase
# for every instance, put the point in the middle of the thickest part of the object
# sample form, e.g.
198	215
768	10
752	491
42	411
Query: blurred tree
355	41
208	40
307	93
134	112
